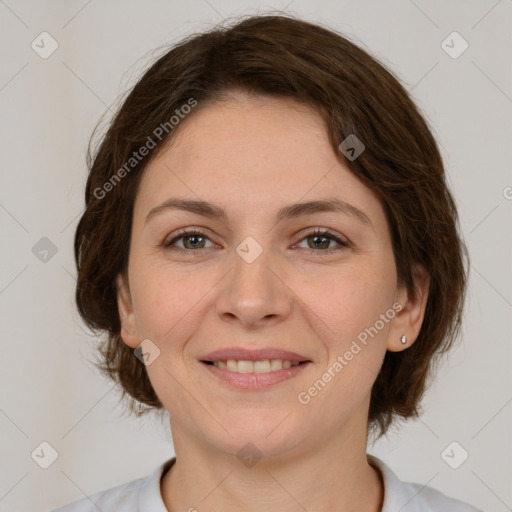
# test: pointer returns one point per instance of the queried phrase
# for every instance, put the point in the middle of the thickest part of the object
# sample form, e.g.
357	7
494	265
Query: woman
270	244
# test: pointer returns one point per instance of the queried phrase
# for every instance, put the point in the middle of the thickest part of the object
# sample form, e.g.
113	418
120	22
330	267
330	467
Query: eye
192	240
195	240
321	240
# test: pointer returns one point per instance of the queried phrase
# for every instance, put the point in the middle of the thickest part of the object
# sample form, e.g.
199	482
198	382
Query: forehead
244	129
257	150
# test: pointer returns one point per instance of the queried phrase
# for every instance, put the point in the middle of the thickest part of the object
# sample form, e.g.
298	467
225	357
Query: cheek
167	301
348	301
354	311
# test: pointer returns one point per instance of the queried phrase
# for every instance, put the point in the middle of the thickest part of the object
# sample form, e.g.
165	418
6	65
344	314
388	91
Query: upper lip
243	354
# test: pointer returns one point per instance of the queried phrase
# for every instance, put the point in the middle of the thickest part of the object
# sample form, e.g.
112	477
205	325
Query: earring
403	339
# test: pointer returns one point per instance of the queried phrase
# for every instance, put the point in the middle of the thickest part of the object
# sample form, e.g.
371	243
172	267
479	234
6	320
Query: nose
254	294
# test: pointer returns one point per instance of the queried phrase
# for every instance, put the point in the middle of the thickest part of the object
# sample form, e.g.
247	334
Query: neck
335	477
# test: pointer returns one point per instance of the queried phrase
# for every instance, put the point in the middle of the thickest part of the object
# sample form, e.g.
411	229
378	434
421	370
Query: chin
259	434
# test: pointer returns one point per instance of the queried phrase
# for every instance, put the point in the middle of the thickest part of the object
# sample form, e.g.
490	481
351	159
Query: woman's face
257	277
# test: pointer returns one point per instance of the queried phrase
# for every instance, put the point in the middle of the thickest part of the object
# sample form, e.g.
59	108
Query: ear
409	318
126	314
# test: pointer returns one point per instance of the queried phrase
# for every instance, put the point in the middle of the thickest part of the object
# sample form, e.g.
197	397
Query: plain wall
49	391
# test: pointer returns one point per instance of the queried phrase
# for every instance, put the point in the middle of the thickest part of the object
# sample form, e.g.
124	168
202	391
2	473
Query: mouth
246	366
254	375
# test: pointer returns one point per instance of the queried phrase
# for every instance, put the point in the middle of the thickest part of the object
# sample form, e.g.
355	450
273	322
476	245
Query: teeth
264	366
243	366
260	366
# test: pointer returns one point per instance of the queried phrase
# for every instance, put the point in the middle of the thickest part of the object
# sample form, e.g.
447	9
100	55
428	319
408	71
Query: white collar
398	495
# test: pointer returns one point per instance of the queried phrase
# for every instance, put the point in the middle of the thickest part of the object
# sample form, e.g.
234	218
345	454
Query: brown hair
281	55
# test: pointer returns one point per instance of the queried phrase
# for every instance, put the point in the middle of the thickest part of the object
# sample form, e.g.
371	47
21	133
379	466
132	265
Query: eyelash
316	232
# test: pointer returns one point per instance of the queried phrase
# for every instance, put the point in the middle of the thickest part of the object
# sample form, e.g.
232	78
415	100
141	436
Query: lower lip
255	381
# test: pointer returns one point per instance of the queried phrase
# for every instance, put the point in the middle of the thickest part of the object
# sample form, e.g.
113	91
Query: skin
252	155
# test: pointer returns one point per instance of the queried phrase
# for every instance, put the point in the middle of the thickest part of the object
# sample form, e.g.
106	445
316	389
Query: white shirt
143	495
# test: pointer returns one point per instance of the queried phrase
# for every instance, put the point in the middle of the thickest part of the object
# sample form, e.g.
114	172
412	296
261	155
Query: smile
254	375
263	366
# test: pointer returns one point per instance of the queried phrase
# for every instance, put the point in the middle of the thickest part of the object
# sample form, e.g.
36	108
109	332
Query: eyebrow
294	210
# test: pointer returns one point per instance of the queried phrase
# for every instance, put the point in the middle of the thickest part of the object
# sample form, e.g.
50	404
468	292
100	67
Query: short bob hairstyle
282	56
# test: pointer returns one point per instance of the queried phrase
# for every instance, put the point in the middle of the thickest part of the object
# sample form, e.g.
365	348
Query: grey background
48	108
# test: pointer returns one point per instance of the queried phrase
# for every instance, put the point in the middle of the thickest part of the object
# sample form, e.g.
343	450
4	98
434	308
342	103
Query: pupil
321	238
192	237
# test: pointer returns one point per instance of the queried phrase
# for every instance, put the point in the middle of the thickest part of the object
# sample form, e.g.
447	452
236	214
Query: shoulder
123	498
413	497
138	494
